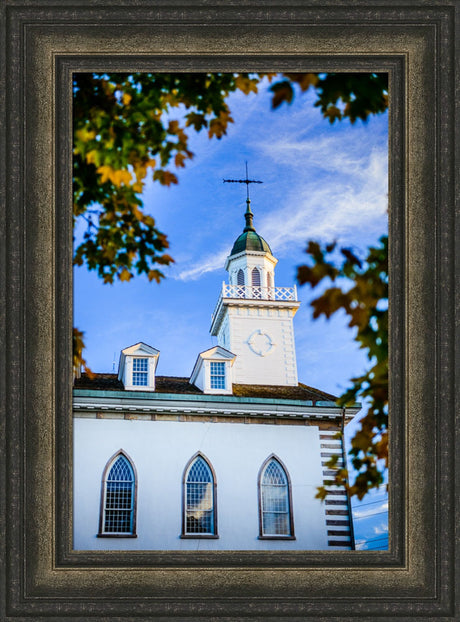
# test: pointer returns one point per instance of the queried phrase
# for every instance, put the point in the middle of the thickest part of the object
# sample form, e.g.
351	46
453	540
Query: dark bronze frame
101	533
291	535
42	43
194	536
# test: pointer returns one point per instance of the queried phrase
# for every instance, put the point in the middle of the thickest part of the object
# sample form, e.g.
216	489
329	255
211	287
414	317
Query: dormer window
217	375
137	367
212	372
140	372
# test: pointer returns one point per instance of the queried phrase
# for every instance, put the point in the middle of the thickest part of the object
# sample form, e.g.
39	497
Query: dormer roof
217	353
138	349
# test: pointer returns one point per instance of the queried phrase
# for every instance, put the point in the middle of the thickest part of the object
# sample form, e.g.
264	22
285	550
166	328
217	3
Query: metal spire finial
248	215
246	181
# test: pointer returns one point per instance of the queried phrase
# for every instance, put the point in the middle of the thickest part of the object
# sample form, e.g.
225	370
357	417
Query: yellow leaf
93	157
105	172
154	275
125	275
85	135
121	177
126	99
137	212
245	84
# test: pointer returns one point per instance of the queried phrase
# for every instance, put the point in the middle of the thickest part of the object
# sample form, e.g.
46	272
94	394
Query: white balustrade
258	292
255	292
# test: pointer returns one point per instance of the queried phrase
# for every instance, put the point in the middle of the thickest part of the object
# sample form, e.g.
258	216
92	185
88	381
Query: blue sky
320	181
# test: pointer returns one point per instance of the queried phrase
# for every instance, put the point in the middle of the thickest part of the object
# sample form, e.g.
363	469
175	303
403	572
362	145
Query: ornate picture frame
44	43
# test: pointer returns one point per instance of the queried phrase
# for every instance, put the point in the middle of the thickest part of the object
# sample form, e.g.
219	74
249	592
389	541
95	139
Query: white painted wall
161	449
278	366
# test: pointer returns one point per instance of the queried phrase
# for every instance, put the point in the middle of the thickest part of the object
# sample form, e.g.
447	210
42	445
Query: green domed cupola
249	240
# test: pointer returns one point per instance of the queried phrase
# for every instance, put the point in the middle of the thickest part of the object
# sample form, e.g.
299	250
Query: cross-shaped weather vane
246	181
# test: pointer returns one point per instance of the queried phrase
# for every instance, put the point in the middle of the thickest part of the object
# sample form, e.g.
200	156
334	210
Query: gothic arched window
275	500
118	503
240	277
199	503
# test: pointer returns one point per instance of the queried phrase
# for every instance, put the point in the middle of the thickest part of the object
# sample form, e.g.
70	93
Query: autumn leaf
125	275
282	92
218	127
246	85
105	172
85	134
165	177
121	177
93	157
154	275
365	303
333	113
78	360
195	120
179	159
304	80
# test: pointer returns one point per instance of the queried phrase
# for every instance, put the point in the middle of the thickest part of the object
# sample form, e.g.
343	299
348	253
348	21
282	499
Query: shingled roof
99	382
110	382
181	385
299	392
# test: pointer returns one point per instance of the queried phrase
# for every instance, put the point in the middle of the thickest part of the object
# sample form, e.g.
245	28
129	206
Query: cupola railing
259	292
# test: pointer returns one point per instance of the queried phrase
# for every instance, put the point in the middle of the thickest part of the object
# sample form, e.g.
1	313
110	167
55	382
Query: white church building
229	458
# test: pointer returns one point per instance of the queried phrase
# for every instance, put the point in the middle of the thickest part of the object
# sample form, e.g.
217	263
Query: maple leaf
165	177
282	92
125	275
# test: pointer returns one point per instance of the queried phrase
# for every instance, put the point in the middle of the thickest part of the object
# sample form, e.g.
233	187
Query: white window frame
218	376
213	534
135	372
263	535
103	532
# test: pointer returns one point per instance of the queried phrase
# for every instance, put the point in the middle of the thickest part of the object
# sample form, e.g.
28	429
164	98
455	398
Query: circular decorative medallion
261	343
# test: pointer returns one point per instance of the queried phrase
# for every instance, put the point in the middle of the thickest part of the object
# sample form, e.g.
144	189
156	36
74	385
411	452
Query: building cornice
148	403
223	303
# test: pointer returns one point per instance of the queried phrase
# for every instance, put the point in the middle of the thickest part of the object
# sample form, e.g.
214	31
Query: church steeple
253	318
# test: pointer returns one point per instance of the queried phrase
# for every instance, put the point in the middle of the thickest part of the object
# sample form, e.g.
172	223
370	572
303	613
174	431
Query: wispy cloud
381	529
209	263
337	188
371	511
349	198
356	200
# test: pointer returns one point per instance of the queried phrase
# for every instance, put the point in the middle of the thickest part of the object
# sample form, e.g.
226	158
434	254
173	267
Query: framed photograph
261	377
52	566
